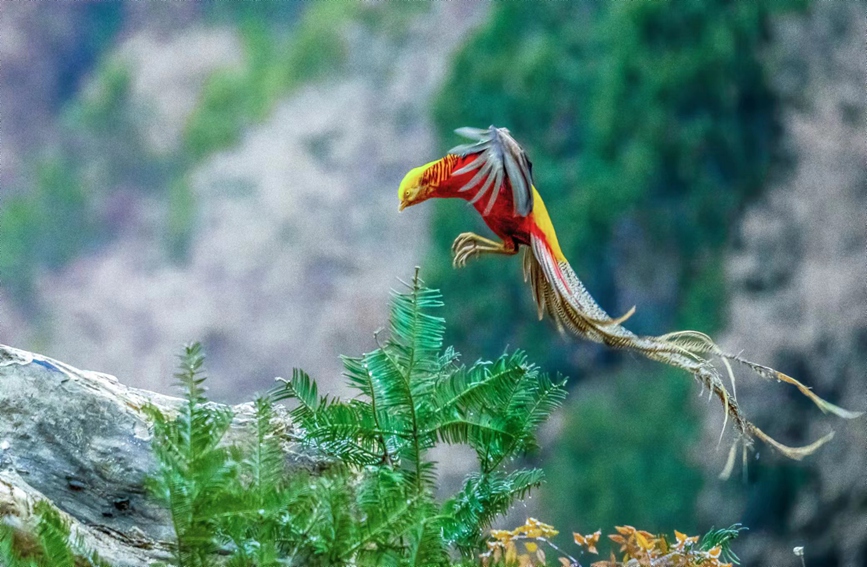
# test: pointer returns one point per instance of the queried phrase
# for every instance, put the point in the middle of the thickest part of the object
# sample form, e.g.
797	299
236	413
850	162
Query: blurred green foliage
103	133
63	211
180	222
233	12
616	459
649	128
44	227
102	105
279	59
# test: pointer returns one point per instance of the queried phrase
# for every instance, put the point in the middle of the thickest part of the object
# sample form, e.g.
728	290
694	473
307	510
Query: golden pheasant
494	174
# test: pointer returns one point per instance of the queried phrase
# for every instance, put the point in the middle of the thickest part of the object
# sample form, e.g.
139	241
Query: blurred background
227	172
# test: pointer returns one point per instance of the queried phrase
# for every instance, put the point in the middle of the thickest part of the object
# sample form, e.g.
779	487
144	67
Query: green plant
374	503
279	59
44	228
368	497
194	470
49	544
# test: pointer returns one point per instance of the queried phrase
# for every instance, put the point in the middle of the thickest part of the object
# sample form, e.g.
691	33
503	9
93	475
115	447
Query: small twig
560	551
799	552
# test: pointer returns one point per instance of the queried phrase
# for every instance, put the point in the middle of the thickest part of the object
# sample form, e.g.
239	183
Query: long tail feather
558	292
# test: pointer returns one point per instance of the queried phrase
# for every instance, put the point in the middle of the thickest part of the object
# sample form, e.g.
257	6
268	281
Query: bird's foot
468	245
464	247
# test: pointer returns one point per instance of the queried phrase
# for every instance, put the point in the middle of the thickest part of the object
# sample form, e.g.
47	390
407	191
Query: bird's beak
402	206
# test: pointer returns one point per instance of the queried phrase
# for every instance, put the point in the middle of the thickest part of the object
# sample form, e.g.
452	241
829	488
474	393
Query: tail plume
559	293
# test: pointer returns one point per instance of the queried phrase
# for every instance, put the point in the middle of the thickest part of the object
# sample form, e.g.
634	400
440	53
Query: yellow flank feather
543	221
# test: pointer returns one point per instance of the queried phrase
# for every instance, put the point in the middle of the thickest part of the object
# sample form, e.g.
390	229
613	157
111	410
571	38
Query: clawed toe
468	244
463	253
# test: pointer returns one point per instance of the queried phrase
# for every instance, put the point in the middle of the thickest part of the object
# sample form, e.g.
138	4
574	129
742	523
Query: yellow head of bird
412	189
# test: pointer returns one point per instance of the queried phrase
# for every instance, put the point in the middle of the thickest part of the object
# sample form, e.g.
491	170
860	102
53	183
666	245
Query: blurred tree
45	227
636	114
287	45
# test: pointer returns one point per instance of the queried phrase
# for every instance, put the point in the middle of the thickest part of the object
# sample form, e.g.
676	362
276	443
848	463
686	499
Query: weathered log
81	440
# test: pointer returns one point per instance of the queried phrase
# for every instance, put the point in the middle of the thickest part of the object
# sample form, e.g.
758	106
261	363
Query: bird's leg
469	244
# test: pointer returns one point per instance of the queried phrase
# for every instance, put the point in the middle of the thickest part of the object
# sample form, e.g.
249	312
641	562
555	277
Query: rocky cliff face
798	300
297	238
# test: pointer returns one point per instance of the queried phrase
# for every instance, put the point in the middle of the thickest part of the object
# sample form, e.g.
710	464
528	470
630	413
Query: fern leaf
411	325
53	533
482	498
300	387
723	538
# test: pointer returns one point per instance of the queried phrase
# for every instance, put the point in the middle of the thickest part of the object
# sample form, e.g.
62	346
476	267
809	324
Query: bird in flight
494	174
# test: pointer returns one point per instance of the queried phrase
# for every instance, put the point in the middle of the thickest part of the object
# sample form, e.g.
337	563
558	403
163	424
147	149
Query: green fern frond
484	385
194	473
426	545
264	465
482	498
35	546
300	387
13	544
53	533
51	543
723	539
414	395
412	326
391	383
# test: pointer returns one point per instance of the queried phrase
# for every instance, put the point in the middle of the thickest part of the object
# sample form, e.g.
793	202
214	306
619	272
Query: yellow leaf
497	554
531	547
715	552
642	541
662	544
564	562
511	552
683	540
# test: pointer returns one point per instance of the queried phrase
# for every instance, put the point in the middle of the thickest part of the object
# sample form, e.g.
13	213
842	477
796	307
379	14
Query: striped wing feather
500	158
